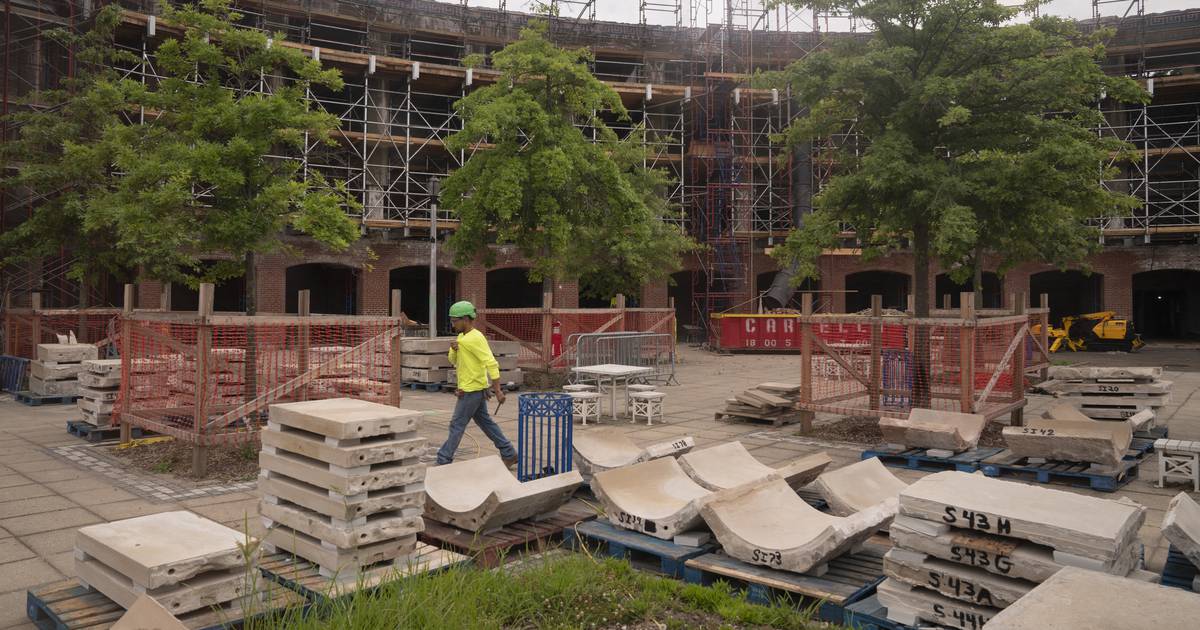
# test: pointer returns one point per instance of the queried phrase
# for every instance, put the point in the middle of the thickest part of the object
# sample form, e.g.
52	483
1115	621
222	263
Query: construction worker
472	357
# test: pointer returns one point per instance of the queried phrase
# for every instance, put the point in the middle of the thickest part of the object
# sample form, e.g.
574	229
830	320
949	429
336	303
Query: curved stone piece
767	523
482	494
1181	526
1092	441
933	428
654	497
730	465
954	580
860	485
1066	412
601	449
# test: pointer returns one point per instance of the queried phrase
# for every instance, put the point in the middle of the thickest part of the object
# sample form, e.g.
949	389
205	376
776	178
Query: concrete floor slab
58	519
12	550
23	574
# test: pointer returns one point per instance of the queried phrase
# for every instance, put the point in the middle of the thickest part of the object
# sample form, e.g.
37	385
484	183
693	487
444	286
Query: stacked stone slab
99	386
967	546
56	370
183	561
1109	393
765	401
225	375
1181	526
342	485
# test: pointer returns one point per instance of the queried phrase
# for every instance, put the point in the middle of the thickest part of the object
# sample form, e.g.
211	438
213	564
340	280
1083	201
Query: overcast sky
627	10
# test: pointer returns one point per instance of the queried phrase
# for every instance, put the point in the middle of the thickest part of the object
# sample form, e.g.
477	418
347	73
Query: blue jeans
473	405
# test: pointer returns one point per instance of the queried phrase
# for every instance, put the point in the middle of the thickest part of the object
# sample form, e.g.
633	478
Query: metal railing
642	349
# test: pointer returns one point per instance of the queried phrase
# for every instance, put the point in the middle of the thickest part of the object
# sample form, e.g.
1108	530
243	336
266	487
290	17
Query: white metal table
613	372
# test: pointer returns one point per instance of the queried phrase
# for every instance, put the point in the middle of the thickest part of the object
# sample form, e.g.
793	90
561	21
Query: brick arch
334	287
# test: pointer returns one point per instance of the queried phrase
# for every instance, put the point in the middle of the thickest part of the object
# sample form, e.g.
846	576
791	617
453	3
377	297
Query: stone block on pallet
345	418
99	395
422	375
344	562
343	480
425	361
95	406
934	428
341	506
425	345
361	530
66	352
201	591
347	453
1181	526
934	607
99	381
1102	443
954	580
103	366
53	388
54	371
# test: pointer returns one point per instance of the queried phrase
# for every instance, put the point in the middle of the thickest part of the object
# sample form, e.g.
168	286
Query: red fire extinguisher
556	339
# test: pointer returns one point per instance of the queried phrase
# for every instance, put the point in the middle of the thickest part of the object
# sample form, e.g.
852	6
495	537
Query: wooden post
621	309
203	349
966	351
1044	318
394	346
126	364
547	327
304	342
164	298
947	303
1017	416
35	323
876	351
806	371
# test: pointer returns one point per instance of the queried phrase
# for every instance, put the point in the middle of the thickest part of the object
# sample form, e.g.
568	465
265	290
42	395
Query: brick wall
149	294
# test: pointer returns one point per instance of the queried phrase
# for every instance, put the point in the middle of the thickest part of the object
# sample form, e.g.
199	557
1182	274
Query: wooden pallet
920	459
494	548
1178	571
429	387
870	614
35	400
305	578
775	420
1007	464
67	605
849	578
647	551
93	433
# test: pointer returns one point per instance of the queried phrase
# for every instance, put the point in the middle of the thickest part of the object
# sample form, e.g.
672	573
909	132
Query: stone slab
932	428
957	581
66	352
1093	387
147	549
1066	412
1066	373
655	497
103	366
425	345
345	453
481	494
1076	598
422	375
205	590
729	464
425	361
378	527
54	371
53	388
147	614
99	395
334	559
344	481
859	486
602	448
99	381
1065	521
1181	526
1101	443
97	407
344	507
345	418
933	607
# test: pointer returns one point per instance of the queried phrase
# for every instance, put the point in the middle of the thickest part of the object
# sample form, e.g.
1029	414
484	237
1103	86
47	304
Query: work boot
510	462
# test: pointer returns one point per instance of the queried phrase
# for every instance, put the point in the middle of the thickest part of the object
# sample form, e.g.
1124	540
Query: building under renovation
686	82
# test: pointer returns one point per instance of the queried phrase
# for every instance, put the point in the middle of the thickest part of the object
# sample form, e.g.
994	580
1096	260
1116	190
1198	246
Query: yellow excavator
1093	331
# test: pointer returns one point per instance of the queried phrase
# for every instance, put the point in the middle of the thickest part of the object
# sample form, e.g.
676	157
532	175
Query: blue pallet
93	433
429	387
1178	571
622	543
848	579
34	400
920	459
870	614
1068	473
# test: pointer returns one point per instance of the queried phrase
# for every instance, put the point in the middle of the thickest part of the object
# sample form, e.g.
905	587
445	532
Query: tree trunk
250	390
921	395
977	278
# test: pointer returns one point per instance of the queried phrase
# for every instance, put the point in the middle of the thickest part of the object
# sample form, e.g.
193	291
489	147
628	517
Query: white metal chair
646	404
585	405
579	387
636	387
1178	459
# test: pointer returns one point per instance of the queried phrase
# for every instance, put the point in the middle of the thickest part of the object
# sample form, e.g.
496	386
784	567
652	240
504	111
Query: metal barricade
14	373
643	349
545	425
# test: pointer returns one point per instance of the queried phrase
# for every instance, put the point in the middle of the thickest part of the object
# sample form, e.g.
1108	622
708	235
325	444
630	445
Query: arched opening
1071	292
333	289
228	295
680	289
511	288
1166	303
413	284
992	290
892	285
783	296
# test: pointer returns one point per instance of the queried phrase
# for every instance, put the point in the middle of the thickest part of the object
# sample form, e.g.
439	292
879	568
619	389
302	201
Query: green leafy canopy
156	175
979	134
575	207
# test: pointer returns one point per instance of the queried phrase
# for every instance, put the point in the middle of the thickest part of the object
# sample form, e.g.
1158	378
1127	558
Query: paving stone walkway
52	483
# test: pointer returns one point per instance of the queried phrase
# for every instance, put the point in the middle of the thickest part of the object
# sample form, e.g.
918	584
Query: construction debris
766	401
481	494
729	465
342	486
1105	393
184	561
604	448
56	370
934	429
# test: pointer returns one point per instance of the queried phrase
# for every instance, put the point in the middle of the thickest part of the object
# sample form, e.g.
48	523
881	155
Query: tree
980	135
211	170
576	208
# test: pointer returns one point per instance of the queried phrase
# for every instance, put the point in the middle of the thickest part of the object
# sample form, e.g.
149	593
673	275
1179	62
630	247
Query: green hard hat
462	309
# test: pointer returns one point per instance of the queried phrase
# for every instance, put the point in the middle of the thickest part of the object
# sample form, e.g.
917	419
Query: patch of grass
557	591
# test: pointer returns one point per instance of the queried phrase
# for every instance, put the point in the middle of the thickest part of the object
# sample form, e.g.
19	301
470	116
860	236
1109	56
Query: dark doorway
413	283
892	285
992	291
511	288
1166	304
680	289
1071	293
228	295
333	289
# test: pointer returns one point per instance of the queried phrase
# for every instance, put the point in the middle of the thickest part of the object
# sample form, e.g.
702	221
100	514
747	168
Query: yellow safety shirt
474	362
